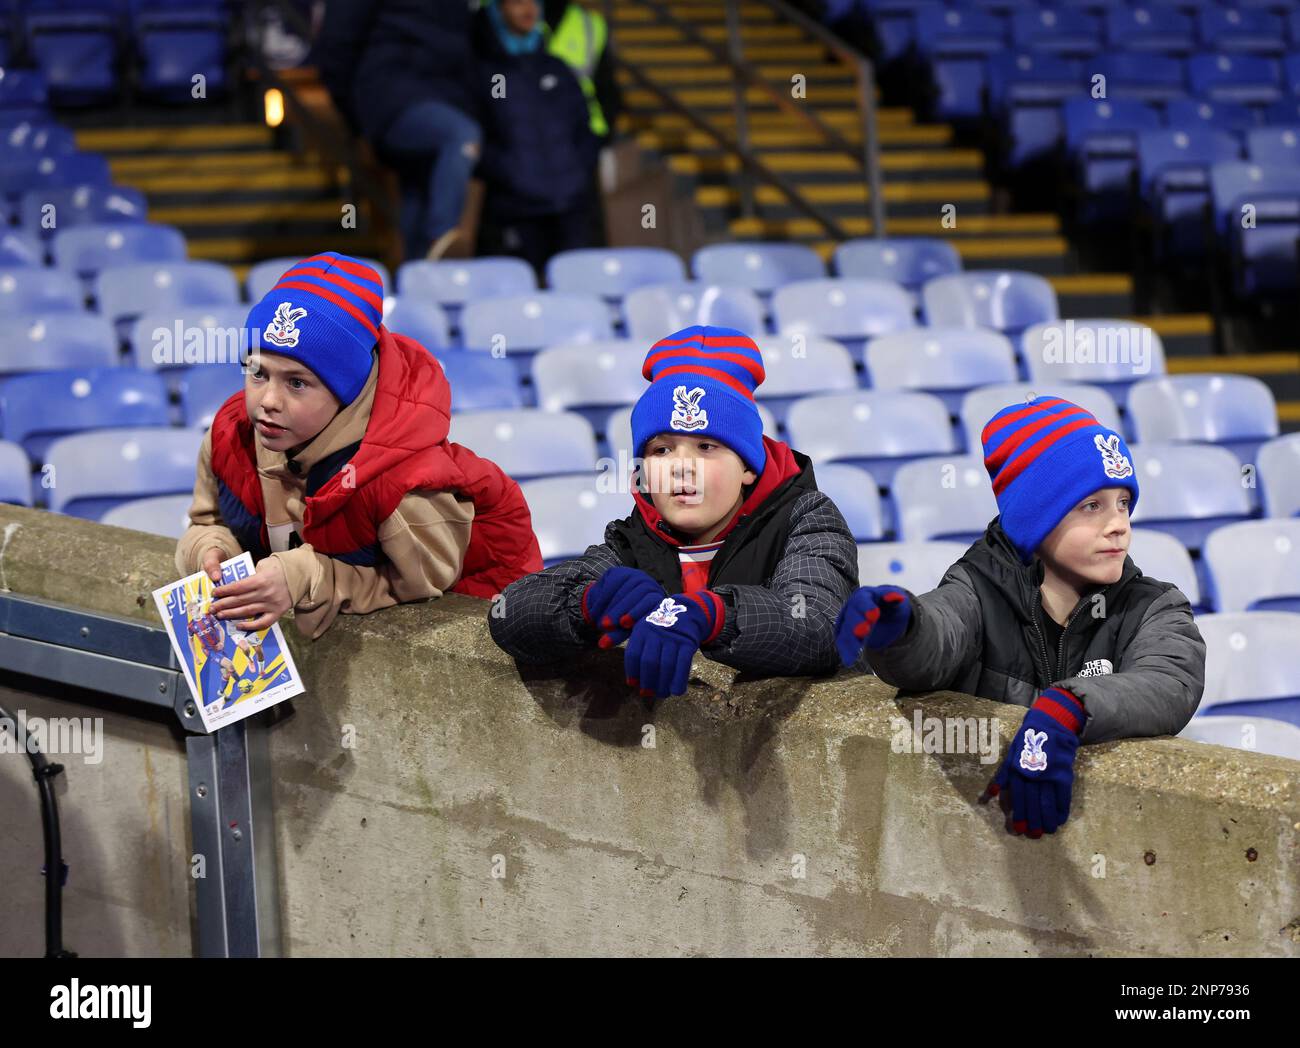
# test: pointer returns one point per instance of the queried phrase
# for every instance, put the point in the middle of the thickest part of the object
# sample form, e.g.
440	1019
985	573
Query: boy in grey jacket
1045	611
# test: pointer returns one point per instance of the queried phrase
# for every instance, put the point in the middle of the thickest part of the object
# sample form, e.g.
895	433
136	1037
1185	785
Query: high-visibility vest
579	41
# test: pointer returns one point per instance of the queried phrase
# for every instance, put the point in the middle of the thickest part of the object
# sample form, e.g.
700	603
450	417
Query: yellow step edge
207	163
689	12
1288	411
1092	284
774	120
985	248
670	34
233	183
836	163
1172	325
761	138
895	192
638	98
1244	364
171	138
259	211
815	76
684	53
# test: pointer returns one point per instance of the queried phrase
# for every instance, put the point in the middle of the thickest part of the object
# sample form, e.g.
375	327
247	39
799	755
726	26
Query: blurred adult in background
402	73
580	38
539	152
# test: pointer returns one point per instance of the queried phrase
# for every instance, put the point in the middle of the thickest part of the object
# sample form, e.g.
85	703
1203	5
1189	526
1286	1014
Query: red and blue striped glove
1038	771
659	652
874	616
616	600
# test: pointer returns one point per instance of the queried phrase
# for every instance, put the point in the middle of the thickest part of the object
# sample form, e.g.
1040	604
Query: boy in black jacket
734	552
1046	611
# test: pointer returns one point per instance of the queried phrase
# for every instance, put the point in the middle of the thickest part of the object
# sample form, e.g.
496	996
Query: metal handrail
865	73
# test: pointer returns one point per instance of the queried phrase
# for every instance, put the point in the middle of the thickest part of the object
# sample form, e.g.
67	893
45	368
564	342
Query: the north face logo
1113	461
283	330
1096	668
687	413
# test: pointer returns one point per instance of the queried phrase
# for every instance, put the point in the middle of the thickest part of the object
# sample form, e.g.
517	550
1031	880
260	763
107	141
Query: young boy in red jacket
333	468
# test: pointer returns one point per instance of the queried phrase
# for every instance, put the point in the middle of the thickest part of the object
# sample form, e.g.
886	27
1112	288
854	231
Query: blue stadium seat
570	513
186	336
855	494
1101	144
77	51
1026	89
847	309
18	249
528	443
1287	111
955	43
1141	76
893	25
1237	411
1279	476
1004	300
618	431
946	362
80	205
1252	665
1151	27
50	171
24	95
29	289
527	323
948	497
38	408
1188	490
1274	145
1190	114
1174	179
265	275
1110	352
1268	735
760	266
421	320
878	431
612	272
166	515
205	388
1262	256
480	382
451	283
33	137
1161	556
1236	31
796	366
915	566
85	250
55	341
1247	79
127	291
589	378
909	261
1072	33
653	312
100	469
15	475
176	45
1254	566
982	404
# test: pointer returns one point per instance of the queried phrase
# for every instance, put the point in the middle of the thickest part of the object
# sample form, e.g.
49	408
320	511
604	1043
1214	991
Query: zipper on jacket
1060	651
1042	644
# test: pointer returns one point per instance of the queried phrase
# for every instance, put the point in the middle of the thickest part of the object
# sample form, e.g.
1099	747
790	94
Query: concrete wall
432	797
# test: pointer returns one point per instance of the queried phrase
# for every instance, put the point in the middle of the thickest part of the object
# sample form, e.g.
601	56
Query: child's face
1091	541
694	482
519	15
287	403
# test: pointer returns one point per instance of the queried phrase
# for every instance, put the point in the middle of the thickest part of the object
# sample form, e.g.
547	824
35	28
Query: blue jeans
438	148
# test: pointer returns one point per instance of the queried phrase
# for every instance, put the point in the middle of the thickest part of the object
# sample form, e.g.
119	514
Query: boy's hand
660	649
1038	772
211	565
259	600
615	601
874	616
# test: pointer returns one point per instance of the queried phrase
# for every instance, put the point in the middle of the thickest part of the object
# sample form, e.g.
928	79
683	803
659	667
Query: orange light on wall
273	102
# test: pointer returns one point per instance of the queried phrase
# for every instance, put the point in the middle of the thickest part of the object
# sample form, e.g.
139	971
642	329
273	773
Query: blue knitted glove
874	616
616	600
1038	771
659	652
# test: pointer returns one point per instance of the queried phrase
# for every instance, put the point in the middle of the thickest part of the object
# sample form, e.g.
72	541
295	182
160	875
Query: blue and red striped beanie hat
325	313
1046	456
702	382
